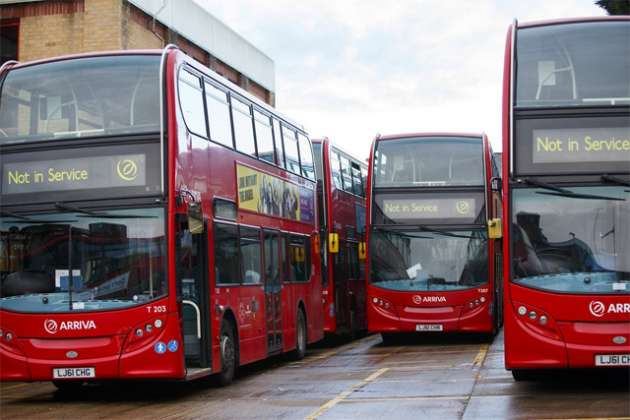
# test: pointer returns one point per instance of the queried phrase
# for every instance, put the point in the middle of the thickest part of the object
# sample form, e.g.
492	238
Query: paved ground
421	378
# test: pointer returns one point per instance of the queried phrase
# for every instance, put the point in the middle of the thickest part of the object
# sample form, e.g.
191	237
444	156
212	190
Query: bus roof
550	22
428	134
341	149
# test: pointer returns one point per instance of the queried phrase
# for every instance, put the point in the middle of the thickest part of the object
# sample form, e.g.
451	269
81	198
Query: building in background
37	29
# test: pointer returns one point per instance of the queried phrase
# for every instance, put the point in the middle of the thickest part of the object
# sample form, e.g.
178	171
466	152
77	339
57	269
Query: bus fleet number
157	309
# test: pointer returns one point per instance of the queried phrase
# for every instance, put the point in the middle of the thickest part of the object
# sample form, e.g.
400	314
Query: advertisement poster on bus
267	194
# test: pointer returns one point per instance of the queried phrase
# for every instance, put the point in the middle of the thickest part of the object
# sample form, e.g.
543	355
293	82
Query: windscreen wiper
26	219
563	192
616	180
62	206
442	232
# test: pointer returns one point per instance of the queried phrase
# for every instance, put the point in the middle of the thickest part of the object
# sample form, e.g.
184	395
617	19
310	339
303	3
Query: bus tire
521	375
300	336
68	386
228	351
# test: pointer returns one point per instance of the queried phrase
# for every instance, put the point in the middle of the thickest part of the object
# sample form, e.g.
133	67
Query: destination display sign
446	208
83	173
581	145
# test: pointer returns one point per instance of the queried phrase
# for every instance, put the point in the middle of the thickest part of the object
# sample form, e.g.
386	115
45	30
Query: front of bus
567	184
429	251
84	293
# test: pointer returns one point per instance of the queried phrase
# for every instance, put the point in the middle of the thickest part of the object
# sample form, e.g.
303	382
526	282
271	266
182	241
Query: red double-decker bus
432	266
341	199
566	179
157	222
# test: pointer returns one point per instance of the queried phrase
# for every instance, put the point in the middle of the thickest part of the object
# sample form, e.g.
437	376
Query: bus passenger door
191	266
273	292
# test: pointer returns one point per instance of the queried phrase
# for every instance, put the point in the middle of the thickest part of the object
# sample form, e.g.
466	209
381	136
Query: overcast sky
349	69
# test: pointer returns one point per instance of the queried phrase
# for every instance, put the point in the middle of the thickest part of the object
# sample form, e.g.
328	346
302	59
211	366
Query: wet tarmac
422	377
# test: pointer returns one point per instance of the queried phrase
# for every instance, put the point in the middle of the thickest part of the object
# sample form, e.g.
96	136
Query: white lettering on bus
77	325
619	308
433	299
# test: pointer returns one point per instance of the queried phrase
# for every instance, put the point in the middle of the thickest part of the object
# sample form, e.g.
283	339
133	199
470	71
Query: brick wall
59	27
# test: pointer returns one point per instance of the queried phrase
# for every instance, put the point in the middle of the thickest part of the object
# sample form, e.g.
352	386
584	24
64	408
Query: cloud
351	69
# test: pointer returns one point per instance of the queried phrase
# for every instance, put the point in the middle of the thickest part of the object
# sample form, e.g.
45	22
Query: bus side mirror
195	218
333	243
495	229
495	184
362	252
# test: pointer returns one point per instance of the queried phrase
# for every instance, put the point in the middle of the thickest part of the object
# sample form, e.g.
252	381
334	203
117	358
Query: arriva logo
51	326
127	169
418	300
598	308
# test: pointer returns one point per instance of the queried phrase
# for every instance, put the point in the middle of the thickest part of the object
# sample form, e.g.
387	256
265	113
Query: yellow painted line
342	396
481	356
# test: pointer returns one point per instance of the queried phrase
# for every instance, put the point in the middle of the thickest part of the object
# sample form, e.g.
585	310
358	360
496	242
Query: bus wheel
68	386
520	375
228	354
300	337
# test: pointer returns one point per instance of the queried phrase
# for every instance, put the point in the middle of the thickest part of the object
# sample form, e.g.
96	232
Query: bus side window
299	259
226	254
243	127
278	142
218	110
250	255
335	167
346	174
291	150
306	155
191	103
356	179
264	137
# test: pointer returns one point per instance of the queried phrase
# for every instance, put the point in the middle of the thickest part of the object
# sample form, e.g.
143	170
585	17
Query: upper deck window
429	161
577	64
81	97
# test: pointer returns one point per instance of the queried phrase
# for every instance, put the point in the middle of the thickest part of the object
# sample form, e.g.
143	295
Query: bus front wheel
228	354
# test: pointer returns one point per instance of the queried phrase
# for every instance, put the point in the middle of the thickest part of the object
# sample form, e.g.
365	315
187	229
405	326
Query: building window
9	31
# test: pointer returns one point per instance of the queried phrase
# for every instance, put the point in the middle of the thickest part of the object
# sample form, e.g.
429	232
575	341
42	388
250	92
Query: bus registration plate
612	360
75	372
429	327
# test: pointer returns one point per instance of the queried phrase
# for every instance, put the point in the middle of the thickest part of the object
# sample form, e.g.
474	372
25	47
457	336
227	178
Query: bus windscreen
555	65
429	161
82	97
574	242
62	262
421	260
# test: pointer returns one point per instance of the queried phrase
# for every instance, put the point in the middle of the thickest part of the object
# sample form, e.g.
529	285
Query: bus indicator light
542	320
158	323
522	310
532	314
